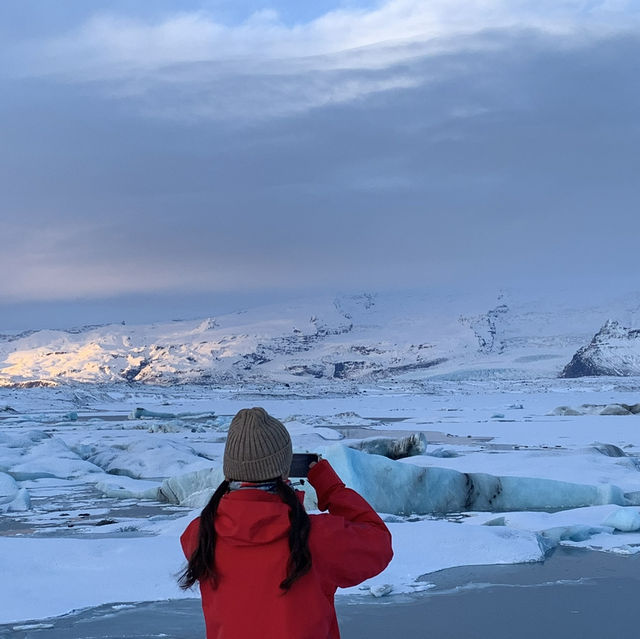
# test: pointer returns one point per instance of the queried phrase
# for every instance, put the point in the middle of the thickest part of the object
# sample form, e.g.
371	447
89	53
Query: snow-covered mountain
614	350
327	341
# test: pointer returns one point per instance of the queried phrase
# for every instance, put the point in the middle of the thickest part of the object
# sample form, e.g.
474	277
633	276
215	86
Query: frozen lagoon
79	538
574	593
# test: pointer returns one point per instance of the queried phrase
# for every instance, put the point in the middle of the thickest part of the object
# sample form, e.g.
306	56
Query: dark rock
405	368
366	350
610	353
132	371
315	371
487	328
344	370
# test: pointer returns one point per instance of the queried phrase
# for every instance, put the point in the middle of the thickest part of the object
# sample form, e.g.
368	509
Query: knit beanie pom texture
258	447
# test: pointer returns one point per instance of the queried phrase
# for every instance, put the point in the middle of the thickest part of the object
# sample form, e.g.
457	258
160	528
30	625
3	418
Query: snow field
86	526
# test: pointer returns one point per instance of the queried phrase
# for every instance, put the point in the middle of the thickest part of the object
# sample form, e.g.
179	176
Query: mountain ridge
325	340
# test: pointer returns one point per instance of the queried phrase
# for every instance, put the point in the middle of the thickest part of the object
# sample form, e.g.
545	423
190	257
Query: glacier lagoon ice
624	520
123	487
191	489
398	448
183	466
404	489
12	497
143	460
401	488
35	454
145	413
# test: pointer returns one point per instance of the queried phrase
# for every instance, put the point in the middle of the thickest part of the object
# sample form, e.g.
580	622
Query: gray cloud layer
508	157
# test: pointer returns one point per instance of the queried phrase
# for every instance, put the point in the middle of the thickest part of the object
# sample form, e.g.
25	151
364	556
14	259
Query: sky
170	159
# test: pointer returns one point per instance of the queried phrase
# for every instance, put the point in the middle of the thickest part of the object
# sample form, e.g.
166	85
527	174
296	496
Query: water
573	594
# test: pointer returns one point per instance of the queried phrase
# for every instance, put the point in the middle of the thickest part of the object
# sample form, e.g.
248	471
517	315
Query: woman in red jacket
266	568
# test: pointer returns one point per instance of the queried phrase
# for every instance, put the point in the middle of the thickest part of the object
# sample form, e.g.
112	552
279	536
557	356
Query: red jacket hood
262	521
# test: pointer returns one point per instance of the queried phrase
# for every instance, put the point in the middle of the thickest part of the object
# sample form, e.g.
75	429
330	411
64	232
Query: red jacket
348	545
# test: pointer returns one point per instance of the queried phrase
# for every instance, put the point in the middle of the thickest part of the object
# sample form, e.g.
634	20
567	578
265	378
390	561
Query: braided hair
201	565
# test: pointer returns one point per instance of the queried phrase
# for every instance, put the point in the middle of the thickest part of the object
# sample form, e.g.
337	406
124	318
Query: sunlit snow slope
335	341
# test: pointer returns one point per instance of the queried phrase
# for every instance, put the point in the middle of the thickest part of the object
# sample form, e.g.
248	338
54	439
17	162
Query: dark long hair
201	564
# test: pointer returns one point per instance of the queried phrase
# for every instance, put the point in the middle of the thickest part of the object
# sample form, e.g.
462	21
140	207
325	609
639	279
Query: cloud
190	66
493	147
502	168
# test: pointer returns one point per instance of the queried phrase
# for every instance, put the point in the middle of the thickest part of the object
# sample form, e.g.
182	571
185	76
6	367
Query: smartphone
300	464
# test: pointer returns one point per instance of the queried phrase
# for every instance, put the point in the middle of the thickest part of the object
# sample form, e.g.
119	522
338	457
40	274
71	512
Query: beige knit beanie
258	447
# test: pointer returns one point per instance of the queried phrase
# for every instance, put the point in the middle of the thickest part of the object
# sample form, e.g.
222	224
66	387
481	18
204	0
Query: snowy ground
81	523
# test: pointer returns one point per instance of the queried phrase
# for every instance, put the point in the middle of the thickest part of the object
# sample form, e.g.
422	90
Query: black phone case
300	464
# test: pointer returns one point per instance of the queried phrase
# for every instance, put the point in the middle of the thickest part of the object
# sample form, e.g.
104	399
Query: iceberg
145	413
21	502
191	489
139	413
8	488
35	454
123	487
12	497
414	444
402	489
624	520
142	459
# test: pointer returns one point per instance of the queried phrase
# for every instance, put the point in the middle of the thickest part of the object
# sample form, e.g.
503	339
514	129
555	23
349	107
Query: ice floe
123	487
12	497
598	409
191	489
141	459
394	487
34	454
624	519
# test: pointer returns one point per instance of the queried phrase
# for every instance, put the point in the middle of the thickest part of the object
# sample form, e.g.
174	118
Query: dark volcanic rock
133	370
304	370
487	327
344	370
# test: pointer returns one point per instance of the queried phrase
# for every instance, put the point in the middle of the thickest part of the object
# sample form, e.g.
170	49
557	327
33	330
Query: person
266	568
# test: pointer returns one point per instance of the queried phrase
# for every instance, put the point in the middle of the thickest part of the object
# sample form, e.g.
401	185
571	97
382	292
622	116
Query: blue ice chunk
624	519
401	488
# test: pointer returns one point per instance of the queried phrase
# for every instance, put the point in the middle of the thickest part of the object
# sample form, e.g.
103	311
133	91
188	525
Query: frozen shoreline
572	593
